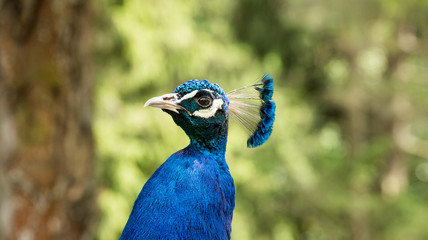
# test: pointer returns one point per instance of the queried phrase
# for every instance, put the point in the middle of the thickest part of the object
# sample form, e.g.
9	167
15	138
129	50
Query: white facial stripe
192	94
209	112
187	96
204	113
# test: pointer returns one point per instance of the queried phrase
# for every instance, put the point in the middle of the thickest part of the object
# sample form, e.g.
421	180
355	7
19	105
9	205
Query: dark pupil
204	101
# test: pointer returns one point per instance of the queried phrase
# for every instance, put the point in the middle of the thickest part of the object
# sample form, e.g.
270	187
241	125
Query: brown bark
46	145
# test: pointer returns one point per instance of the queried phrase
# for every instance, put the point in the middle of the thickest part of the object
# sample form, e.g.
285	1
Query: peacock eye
204	101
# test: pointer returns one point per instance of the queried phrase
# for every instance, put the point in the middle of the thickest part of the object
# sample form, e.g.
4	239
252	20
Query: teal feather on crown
253	107
267	113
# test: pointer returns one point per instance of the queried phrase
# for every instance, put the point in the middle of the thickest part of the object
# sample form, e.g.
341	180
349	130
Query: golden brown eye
204	101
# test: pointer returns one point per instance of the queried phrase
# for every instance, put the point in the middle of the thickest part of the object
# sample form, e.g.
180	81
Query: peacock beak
167	102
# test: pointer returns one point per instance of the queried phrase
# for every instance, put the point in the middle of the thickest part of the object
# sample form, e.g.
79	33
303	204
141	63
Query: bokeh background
348	157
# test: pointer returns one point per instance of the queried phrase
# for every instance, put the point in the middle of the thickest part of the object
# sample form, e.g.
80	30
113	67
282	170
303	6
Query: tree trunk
46	145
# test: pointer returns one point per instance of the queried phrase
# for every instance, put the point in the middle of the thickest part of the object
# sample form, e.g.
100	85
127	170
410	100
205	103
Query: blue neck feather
192	195
214	145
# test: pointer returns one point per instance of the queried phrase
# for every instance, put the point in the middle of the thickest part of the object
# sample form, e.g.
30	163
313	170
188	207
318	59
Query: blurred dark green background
348	157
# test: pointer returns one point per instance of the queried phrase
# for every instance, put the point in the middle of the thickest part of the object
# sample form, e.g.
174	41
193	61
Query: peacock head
202	109
199	107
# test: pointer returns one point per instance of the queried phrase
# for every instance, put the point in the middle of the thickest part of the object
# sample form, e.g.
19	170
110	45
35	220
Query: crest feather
252	106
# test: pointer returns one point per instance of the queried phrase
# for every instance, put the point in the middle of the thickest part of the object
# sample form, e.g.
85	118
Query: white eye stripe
187	96
209	112
192	94
204	113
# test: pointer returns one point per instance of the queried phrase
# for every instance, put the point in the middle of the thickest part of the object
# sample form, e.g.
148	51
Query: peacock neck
215	145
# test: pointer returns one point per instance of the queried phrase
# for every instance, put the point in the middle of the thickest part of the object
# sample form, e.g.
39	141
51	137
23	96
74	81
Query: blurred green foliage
348	158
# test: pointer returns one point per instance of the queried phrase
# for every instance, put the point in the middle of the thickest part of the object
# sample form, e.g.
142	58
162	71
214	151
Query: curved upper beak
168	102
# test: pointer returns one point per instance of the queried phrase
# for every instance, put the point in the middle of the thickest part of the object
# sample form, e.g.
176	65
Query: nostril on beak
168	98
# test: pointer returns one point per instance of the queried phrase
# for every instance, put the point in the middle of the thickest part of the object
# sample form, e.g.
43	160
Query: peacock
192	194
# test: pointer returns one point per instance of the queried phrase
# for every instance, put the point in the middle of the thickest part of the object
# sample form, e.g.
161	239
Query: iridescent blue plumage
192	194
267	113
